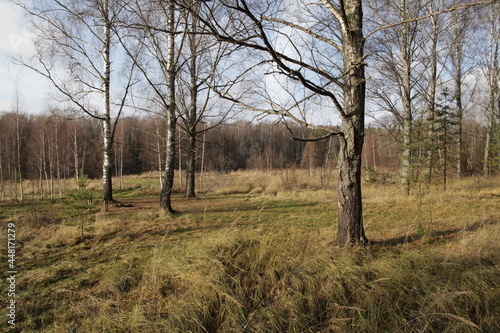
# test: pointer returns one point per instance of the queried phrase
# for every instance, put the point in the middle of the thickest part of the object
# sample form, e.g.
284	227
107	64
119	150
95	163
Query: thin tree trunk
19	163
179	158
459	29
51	167
58	162
168	182
445	152
158	151
192	112
202	166
121	167
486	163
44	158
40	174
406	173
431	119
75	158
9	171
107	170
191	166
459	107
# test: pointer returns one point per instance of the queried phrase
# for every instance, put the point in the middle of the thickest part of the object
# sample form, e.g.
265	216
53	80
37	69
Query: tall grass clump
246	281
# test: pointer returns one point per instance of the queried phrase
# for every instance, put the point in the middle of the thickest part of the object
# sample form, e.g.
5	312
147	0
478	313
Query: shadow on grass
434	235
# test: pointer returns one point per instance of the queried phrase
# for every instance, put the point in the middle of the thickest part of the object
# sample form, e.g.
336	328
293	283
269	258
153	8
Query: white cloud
16	40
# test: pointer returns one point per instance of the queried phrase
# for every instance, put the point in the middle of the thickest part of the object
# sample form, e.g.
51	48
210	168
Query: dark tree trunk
350	218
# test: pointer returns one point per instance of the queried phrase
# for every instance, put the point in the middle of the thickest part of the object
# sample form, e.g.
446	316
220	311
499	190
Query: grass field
254	253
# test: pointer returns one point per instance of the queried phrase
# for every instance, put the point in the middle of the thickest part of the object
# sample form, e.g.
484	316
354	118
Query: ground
254	253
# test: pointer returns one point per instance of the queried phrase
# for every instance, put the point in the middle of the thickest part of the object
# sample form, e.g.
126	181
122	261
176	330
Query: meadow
255	253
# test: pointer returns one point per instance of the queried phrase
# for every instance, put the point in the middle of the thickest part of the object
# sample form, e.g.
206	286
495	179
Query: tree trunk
431	120
168	181
75	158
202	166
406	55
350	217
44	157
58	161
179	158
158	151
191	166
107	170
19	162
459	107
494	98
192	113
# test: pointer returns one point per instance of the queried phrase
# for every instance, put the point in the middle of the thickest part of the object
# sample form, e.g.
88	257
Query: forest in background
51	147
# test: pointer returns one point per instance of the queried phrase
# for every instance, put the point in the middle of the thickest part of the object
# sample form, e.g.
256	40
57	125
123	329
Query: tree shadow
434	236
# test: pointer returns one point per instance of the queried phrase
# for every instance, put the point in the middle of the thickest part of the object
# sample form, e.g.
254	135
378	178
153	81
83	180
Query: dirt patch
134	205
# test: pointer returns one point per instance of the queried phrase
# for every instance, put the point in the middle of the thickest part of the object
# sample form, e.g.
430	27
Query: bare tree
430	93
151	45
394	88
200	70
74	43
334	75
459	28
317	57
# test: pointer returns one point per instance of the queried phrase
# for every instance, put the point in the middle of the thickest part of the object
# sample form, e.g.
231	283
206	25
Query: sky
16	40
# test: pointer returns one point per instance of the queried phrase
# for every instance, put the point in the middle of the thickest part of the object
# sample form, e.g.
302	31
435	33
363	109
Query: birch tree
73	51
150	42
202	65
19	148
492	72
431	91
394	87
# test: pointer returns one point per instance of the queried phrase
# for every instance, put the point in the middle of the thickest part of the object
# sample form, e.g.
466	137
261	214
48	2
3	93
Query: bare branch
451	9
305	30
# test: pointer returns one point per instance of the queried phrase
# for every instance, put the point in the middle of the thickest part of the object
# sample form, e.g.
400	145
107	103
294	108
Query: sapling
79	203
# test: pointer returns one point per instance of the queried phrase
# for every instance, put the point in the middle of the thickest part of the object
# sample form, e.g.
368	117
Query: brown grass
254	253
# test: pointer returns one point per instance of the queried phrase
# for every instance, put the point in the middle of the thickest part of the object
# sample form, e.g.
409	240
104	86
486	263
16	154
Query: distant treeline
49	146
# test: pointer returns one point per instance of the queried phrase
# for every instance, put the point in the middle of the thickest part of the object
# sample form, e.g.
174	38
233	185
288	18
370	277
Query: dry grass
254	254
